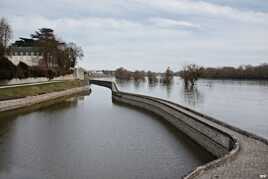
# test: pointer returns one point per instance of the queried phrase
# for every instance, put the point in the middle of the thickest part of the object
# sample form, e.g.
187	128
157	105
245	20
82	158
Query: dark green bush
7	69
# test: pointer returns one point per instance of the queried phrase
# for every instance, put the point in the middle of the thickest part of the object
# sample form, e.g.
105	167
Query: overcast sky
150	34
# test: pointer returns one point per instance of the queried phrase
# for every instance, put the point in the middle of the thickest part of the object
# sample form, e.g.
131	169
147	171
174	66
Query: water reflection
152	83
168	86
138	83
122	82
192	96
232	101
263	83
241	103
16	133
93	138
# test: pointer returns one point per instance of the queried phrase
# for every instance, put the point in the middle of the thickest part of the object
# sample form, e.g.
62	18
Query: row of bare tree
191	73
124	74
242	72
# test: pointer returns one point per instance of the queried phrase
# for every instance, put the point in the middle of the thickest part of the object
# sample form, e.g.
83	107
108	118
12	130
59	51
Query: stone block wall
214	140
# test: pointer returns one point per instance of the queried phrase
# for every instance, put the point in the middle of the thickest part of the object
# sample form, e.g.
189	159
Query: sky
150	34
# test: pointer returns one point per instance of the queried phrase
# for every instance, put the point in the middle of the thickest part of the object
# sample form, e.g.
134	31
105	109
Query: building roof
26	49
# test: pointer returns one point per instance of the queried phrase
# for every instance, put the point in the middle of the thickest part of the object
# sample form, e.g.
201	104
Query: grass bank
14	92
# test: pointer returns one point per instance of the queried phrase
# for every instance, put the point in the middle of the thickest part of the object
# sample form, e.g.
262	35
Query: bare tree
139	75
123	74
75	53
152	77
190	74
5	35
168	76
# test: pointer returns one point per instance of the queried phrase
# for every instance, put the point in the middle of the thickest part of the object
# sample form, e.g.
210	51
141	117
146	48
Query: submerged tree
190	74
152	77
168	76
139	75
122	74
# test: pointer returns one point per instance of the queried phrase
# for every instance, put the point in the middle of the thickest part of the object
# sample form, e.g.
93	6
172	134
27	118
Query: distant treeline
124	74
242	72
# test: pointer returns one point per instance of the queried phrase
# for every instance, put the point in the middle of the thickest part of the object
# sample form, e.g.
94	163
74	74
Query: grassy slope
22	91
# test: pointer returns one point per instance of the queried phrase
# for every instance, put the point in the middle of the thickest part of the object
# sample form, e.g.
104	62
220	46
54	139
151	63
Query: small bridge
108	84
239	153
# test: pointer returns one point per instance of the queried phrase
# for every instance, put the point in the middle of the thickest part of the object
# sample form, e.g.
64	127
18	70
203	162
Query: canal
90	137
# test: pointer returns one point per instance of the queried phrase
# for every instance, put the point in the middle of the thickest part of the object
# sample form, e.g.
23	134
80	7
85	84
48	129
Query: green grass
33	90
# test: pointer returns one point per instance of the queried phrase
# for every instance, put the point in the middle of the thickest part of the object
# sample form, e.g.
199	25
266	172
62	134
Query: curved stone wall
219	143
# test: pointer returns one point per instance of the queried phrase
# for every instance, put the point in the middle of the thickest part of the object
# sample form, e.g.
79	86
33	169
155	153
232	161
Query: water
241	103
90	137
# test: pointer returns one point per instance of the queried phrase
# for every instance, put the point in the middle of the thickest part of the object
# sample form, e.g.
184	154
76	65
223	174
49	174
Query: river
242	103
90	137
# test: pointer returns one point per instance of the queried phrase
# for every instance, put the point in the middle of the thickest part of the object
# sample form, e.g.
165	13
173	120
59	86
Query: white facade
30	60
79	73
31	56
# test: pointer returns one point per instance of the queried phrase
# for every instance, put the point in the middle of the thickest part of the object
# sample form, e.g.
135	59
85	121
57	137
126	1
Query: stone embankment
240	154
13	104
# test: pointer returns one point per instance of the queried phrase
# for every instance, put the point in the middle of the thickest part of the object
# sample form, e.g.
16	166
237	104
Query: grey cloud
148	34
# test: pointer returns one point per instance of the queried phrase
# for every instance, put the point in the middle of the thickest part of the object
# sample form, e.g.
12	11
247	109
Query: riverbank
29	95
22	91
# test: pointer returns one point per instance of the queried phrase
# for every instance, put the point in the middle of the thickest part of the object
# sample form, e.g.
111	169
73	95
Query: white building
80	73
31	56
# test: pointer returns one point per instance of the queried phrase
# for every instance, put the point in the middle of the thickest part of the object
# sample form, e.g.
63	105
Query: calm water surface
240	103
90	137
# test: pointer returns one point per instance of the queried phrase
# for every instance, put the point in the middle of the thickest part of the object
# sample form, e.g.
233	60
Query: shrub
7	69
22	70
